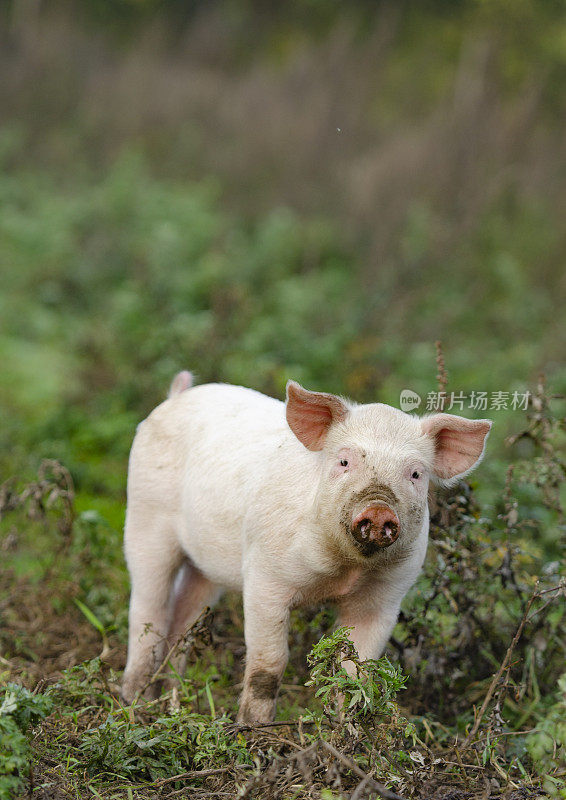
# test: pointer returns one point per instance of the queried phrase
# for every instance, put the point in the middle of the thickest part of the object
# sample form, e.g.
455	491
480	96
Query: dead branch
502	668
382	790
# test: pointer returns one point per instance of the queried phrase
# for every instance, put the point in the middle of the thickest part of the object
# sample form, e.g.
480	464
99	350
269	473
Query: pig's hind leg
153	559
192	593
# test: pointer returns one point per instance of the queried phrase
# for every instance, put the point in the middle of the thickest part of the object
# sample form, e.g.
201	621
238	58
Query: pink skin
180	383
377	523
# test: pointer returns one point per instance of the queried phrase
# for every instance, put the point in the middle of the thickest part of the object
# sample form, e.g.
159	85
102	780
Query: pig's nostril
364	528
390	530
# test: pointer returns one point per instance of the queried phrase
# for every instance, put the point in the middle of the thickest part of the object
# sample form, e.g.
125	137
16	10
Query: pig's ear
310	414
459	443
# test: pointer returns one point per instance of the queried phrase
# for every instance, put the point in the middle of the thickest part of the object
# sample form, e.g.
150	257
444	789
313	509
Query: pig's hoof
131	689
257	703
127	695
255	712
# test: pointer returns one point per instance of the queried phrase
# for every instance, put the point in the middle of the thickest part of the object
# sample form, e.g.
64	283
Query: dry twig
442	374
382	790
504	665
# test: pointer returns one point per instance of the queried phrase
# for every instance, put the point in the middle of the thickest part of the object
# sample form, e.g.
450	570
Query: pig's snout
376	527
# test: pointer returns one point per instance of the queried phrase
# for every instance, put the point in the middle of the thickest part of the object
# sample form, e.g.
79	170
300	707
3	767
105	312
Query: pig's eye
415	475
343	462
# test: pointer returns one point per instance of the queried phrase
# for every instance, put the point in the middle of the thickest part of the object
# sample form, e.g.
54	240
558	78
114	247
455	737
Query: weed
19	711
547	744
370	692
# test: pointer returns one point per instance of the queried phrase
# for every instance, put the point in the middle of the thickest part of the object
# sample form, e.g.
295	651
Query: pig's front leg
266	612
373	609
372	617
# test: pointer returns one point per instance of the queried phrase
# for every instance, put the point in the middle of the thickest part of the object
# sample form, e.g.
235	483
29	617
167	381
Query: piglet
316	499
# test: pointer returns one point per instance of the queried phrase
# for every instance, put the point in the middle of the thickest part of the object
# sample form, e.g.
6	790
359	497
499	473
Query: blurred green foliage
112	288
112	285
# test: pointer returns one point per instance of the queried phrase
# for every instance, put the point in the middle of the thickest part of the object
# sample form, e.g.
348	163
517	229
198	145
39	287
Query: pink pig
316	499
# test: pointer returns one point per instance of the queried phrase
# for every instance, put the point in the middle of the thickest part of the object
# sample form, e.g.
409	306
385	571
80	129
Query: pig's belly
217	557
211	535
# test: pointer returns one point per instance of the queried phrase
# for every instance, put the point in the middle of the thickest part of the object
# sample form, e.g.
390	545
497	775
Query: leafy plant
547	744
362	699
370	691
19	710
96	623
167	745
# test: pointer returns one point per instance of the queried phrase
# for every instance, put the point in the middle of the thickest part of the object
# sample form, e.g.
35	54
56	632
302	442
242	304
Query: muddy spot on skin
264	684
372	494
376	492
367	549
416	514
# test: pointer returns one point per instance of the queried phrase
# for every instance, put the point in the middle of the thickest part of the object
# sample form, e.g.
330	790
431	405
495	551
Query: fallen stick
501	670
194	773
370	782
238	728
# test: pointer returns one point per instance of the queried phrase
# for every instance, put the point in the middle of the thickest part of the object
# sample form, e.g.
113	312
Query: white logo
409	400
